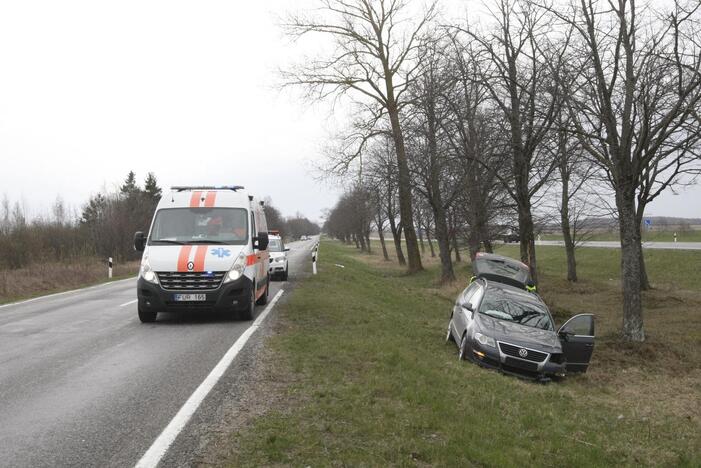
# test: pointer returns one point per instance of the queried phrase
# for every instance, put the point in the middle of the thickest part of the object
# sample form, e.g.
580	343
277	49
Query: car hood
517	334
276	254
164	258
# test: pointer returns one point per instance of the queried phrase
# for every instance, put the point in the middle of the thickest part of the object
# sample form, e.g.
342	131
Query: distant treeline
104	227
291	228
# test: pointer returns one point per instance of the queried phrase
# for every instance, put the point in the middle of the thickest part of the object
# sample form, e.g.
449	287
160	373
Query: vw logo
523	352
190	266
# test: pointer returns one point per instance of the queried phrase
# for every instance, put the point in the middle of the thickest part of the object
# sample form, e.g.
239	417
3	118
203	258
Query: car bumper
228	297
277	268
489	357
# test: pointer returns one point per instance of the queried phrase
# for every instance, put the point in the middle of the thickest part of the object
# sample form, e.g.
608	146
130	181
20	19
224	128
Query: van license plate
189	297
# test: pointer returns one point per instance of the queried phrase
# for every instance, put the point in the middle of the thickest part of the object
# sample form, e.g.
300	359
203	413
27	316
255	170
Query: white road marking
163	442
129	303
101	285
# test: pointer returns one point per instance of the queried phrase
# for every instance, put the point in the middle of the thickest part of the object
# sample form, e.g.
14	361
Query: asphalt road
617	245
84	383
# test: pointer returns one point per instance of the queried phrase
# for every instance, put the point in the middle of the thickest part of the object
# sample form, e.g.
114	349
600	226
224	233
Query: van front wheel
147	316
247	313
264	298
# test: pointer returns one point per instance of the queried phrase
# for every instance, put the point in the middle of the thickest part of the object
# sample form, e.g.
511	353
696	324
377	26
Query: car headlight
236	271
485	340
147	273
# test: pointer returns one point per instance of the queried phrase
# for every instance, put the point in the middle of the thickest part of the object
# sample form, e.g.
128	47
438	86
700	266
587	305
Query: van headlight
485	340
147	273
236	271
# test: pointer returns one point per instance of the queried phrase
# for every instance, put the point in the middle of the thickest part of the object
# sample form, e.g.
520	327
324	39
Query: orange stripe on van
195	199
199	257
209	199
184	257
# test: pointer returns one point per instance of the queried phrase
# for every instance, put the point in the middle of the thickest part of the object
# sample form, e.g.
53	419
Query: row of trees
105	226
460	130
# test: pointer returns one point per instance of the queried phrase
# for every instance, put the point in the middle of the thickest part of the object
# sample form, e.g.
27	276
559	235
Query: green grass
687	235
371	383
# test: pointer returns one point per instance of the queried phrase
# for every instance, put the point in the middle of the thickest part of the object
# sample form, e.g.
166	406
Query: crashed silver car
500	323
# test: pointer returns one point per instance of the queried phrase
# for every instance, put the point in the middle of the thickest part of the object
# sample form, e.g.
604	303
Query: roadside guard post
109	268
315	256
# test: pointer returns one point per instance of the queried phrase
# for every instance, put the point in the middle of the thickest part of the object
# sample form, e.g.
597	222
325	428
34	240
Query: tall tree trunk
630	266
565	221
361	239
454	237
644	280
380	232
357	243
397	235
525	231
421	240
430	243
443	238
406	212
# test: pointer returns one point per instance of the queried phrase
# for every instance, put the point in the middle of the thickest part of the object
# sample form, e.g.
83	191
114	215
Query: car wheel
247	313
285	274
449	334
462	349
147	316
264	298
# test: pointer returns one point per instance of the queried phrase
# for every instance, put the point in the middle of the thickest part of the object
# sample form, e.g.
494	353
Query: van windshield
200	226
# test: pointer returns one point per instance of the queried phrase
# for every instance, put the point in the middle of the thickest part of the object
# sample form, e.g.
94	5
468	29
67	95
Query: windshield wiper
167	241
207	242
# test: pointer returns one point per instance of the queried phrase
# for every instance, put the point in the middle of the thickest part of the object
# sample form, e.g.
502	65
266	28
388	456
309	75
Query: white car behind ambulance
206	250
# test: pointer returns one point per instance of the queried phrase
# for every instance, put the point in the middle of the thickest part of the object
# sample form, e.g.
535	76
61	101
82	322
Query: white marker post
109	268
315	254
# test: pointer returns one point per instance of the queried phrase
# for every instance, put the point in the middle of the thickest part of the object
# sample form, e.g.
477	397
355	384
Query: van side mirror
139	241
261	241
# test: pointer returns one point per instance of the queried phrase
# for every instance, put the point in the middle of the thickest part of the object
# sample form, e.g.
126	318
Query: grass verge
49	278
372	383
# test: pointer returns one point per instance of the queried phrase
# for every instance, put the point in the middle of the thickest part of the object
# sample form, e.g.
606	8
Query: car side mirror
287	249
261	241
139	241
468	306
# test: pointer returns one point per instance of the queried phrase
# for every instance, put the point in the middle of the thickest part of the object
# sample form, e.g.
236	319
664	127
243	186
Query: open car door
577	338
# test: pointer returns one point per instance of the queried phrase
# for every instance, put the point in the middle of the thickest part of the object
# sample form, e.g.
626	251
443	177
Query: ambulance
206	250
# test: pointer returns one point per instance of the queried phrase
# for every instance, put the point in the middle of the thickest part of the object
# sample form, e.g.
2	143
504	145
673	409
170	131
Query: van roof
205	197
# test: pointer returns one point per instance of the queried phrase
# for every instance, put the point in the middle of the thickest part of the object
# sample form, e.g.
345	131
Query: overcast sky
90	90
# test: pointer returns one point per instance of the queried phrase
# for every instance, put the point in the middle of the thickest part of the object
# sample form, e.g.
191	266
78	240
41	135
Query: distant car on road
279	266
511	238
497	323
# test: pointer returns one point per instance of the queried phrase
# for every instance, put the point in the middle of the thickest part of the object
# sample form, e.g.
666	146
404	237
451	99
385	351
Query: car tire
262	300
285	274
449	334
462	349
147	316
247	313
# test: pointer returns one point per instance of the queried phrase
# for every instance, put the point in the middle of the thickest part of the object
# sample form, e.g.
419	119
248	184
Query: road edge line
165	439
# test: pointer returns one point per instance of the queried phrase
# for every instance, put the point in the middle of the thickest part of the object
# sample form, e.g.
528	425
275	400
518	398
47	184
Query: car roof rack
182	188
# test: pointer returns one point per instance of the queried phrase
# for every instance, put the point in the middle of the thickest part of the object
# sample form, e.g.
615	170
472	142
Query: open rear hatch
502	270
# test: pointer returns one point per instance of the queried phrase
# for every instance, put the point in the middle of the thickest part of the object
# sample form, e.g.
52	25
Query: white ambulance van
206	250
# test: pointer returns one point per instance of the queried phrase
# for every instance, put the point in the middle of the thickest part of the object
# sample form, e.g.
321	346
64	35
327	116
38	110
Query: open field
690	235
39	279
371	382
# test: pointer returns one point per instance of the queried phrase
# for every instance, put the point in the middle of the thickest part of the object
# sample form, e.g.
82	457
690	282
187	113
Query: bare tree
375	58
634	102
516	71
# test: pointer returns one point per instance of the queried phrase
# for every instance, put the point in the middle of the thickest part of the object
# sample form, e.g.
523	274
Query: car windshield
506	307
200	225
275	245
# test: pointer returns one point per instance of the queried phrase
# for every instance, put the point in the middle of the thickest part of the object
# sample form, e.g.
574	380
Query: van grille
191	281
512	350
